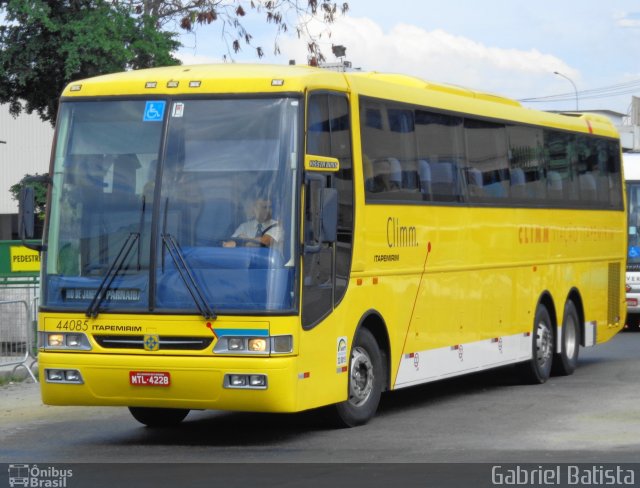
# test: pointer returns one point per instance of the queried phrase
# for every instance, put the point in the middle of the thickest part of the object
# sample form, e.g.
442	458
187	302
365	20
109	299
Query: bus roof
209	78
236	78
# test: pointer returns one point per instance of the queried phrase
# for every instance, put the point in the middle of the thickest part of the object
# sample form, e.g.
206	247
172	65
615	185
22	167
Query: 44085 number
73	325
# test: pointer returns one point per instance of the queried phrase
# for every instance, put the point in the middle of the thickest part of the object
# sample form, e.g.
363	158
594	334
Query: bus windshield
633	192
174	205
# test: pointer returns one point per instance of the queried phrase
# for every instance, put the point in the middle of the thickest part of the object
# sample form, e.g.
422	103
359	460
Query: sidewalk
16	372
20	405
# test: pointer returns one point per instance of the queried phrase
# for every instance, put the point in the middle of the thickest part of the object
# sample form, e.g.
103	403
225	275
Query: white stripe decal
446	362
590	333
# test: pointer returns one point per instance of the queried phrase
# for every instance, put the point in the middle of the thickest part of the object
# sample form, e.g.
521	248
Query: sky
508	47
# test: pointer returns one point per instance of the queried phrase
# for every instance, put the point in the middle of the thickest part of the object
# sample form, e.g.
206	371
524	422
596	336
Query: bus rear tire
159	417
366	380
538	369
565	362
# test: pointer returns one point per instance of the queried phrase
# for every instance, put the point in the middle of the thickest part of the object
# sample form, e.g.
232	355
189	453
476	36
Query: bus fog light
258	380
245	381
65	376
55	375
237	380
282	344
258	345
73	376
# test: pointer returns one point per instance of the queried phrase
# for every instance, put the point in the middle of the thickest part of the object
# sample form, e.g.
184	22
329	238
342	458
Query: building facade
25	148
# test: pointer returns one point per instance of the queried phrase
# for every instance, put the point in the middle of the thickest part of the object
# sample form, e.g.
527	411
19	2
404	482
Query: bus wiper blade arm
187	276
112	272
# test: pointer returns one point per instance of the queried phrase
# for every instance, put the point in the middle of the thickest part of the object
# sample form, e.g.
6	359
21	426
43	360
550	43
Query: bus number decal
73	325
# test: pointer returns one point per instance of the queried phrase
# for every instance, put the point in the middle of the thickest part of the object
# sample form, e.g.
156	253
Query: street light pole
575	90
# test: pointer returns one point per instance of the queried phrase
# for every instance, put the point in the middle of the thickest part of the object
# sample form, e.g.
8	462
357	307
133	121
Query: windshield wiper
112	272
187	276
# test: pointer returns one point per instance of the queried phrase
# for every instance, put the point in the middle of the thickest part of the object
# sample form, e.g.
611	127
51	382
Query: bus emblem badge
151	342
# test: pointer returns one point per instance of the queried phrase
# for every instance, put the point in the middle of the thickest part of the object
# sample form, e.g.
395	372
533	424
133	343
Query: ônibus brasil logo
38	477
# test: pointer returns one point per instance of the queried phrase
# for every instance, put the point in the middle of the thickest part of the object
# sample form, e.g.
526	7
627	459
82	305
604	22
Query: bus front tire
366	380
159	417
538	369
565	362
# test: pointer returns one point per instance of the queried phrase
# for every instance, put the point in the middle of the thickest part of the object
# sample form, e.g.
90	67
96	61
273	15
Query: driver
261	230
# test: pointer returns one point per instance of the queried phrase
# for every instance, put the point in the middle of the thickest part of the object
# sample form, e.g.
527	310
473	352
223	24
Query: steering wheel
247	242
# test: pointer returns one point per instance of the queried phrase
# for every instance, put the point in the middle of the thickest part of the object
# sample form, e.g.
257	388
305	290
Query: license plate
148	378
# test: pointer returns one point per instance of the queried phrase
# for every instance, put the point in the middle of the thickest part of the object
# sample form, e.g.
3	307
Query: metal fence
18	309
19	294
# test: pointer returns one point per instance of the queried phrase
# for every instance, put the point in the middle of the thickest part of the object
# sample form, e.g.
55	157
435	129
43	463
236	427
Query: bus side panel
484	275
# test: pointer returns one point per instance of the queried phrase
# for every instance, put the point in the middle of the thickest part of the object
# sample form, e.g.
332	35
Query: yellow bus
281	238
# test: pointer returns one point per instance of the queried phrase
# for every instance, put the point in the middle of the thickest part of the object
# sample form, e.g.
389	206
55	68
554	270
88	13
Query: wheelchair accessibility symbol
154	111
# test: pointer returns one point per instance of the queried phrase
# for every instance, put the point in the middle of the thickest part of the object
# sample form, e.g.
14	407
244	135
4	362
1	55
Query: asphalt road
592	416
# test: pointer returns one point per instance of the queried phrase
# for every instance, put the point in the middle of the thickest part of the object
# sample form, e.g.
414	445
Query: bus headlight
235	343
64	341
257	345
282	344
55	340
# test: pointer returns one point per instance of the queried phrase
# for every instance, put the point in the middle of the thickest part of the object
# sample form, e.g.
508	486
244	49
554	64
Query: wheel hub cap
361	380
544	344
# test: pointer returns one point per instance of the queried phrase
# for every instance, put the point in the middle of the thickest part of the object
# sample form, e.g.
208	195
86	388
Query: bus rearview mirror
26	214
321	215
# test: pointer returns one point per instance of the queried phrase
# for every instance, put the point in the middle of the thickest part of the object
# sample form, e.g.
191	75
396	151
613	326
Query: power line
616	90
596	91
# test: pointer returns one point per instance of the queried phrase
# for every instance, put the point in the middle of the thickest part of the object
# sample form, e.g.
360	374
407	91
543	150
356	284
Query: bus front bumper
193	382
633	302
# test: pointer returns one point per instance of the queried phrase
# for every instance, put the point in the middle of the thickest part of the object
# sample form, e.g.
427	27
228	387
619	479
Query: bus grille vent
166	343
613	313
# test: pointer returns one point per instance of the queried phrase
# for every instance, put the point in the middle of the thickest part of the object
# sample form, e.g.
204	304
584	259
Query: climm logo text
400	235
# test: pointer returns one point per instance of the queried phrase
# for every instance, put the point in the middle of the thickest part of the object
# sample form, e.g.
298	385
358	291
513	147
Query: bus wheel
366	380
538	369
158	417
565	362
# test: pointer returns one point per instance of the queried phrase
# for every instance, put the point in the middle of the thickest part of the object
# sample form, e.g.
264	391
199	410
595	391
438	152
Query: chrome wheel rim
361	379
570	337
544	344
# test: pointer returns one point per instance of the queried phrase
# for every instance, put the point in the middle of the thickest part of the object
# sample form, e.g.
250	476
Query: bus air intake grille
613	314
166	343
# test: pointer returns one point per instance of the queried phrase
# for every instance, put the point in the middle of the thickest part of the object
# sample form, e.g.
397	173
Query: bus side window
440	146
